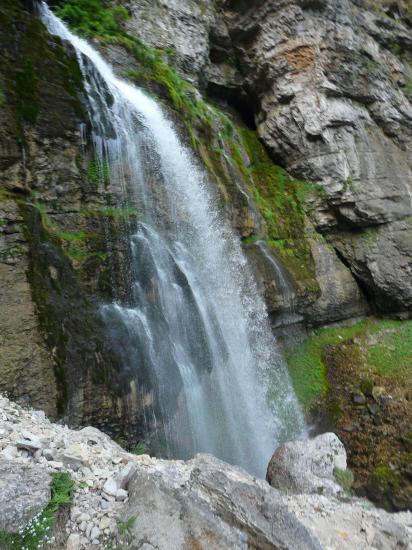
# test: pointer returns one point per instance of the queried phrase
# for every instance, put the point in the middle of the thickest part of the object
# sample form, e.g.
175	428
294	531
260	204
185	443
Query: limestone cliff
327	85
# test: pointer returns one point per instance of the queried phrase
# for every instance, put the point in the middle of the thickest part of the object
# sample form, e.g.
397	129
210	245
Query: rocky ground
122	500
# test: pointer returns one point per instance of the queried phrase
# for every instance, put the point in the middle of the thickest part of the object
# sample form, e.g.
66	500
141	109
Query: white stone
95	533
111	487
31	445
307	466
121	494
73	542
123	477
104	523
10	452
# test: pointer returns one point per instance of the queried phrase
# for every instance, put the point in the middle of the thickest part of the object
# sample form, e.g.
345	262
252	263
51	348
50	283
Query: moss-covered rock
356	381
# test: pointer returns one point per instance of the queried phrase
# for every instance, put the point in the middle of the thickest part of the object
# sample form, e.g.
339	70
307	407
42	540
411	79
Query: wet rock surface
57	225
327	86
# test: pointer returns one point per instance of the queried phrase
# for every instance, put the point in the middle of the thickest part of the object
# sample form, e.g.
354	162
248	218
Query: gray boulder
206	503
24	491
307	466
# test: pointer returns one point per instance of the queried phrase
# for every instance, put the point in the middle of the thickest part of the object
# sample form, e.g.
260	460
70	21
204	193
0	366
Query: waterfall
193	323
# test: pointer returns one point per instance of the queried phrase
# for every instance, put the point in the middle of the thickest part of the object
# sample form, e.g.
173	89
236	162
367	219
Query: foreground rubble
127	501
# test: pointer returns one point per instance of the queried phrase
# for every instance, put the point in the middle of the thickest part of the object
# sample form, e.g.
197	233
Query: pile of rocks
202	503
100	467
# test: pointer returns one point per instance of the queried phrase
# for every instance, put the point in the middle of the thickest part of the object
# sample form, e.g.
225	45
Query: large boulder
24	491
307	466
206	503
345	524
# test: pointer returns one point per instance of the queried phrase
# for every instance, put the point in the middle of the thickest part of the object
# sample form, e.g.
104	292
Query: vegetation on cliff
39	530
357	381
279	198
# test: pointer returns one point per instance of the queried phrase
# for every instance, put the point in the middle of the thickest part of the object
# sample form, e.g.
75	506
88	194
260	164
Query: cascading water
193	324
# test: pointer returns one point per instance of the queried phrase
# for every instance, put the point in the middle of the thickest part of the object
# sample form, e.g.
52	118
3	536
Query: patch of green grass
112	212
345	478
91	18
390	353
126	527
349	184
37	532
69	236
83	255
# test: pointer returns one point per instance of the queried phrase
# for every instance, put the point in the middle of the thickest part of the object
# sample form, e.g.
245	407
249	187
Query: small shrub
125	527
37	532
140	449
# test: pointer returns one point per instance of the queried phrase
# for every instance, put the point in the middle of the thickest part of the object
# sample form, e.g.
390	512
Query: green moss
26	84
407	89
281	201
73	243
392	354
35	72
383	478
38	531
14	252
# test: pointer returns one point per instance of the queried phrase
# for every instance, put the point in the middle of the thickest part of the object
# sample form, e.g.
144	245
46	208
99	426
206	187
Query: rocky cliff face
58	226
332	82
327	86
